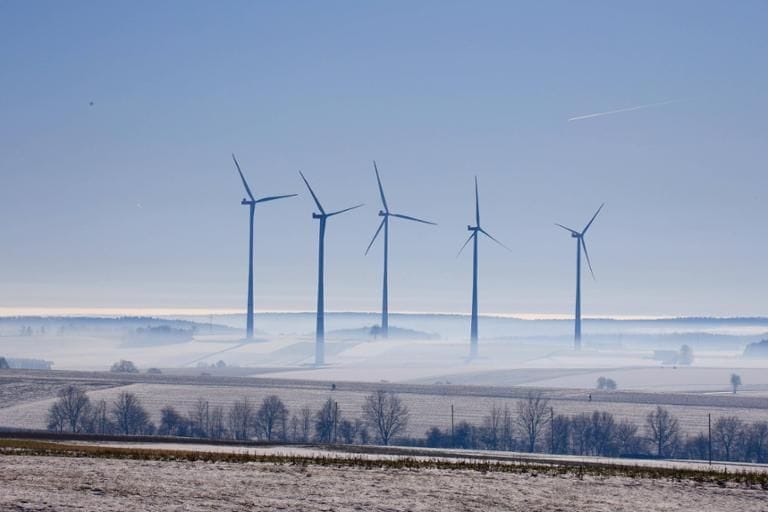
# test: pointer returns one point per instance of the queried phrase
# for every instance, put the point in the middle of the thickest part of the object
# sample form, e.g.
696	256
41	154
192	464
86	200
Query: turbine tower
251	202
385	214
579	236
320	326
476	230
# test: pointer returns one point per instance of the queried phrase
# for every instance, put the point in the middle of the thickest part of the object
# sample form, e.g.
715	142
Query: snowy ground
430	454
60	483
429	405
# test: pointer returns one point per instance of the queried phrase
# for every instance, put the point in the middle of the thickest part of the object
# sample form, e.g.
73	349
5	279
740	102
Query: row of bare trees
529	425
73	411
532	425
383	416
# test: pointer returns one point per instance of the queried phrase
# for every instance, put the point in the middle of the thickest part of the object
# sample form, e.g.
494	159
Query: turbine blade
474	233
477	205
589	263
245	183
407	217
376	234
567	229
317	201
592	219
492	238
381	189
272	198
344	210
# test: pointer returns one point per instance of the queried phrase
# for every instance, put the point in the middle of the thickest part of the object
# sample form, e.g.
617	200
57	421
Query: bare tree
325	421
757	442
507	429
271	418
726	433
241	419
663	431
130	416
57	420
532	417
73	406
124	366
697	446
348	430
200	418
217	430
559	434
604	383
306	424
735	382
628	442
603	430
386	414
295	429
580	429
601	383
172	423
492	427
98	421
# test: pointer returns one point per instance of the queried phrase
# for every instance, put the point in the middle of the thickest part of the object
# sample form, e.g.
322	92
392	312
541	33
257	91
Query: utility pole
709	428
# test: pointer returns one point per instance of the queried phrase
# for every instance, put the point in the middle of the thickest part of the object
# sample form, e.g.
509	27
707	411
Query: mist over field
422	348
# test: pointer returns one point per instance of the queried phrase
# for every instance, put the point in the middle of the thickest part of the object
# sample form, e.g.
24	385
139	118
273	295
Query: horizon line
7	312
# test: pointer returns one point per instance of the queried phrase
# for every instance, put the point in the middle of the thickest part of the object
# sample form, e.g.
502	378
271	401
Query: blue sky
133	202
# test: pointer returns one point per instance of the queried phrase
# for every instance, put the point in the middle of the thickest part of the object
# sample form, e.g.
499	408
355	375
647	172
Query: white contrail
628	109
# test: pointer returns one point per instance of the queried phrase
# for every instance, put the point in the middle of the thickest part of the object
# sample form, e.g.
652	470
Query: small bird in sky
90	104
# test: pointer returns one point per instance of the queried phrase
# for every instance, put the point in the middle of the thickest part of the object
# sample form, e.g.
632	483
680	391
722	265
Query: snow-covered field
429	405
61	483
428	454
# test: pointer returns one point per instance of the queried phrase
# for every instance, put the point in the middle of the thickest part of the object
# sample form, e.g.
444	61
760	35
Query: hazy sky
134	201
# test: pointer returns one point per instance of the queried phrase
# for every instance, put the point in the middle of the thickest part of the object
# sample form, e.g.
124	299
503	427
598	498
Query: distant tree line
529	424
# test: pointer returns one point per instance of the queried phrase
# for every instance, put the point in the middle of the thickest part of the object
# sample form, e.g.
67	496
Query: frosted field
430	454
429	405
60	483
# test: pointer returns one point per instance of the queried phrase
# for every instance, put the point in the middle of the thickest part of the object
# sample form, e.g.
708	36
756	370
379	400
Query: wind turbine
579	236
251	202
386	214
476	230
320	327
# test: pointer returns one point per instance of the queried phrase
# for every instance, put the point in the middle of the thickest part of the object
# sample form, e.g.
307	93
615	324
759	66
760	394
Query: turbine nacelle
579	236
473	228
382	213
318	215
